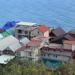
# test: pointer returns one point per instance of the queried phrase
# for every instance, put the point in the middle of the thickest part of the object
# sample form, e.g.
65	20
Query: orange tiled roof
43	28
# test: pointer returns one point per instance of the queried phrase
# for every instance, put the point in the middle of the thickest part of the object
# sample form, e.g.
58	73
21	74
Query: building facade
30	30
58	54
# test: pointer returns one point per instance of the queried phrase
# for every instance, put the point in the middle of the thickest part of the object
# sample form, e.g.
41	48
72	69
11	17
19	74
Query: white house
8	45
23	29
30	51
58	54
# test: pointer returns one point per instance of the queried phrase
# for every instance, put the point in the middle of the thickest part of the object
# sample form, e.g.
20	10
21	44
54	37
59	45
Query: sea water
53	13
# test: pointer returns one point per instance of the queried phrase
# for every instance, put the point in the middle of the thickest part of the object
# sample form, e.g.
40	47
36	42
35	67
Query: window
38	32
56	56
18	54
29	53
48	55
26	32
19	31
8	52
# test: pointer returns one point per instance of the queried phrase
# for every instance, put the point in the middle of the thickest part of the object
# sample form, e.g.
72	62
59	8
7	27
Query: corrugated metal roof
4	59
4	43
69	37
26	23
24	40
58	31
14	46
1	36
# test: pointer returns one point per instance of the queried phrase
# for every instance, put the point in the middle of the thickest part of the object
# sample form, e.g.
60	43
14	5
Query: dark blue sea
53	13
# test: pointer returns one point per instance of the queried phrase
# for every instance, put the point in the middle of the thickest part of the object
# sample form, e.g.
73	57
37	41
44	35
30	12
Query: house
59	54
55	55
42	39
43	31
9	45
30	51
23	29
58	35
4	59
56	32
30	30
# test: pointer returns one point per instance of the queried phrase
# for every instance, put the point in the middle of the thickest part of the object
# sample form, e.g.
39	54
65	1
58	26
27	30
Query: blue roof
9	25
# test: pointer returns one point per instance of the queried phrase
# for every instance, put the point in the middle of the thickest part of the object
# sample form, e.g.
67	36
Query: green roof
5	34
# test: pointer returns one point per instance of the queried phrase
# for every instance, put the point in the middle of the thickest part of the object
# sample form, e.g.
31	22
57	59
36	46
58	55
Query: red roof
69	42
33	43
21	49
40	38
43	28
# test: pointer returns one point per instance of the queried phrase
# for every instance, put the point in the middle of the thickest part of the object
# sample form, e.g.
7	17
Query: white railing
52	45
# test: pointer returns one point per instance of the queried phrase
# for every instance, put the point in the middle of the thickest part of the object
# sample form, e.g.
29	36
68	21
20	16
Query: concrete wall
34	54
56	55
67	46
35	32
46	34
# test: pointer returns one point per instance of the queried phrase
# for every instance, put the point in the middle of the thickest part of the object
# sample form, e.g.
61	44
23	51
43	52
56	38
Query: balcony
58	58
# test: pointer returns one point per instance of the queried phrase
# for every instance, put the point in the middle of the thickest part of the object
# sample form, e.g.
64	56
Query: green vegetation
23	67
67	69
17	67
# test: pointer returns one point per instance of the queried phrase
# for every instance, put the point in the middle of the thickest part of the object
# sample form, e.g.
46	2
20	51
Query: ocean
53	13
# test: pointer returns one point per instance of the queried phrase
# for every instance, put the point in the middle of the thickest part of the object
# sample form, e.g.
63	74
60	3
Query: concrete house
41	30
23	29
58	54
54	56
30	51
30	30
